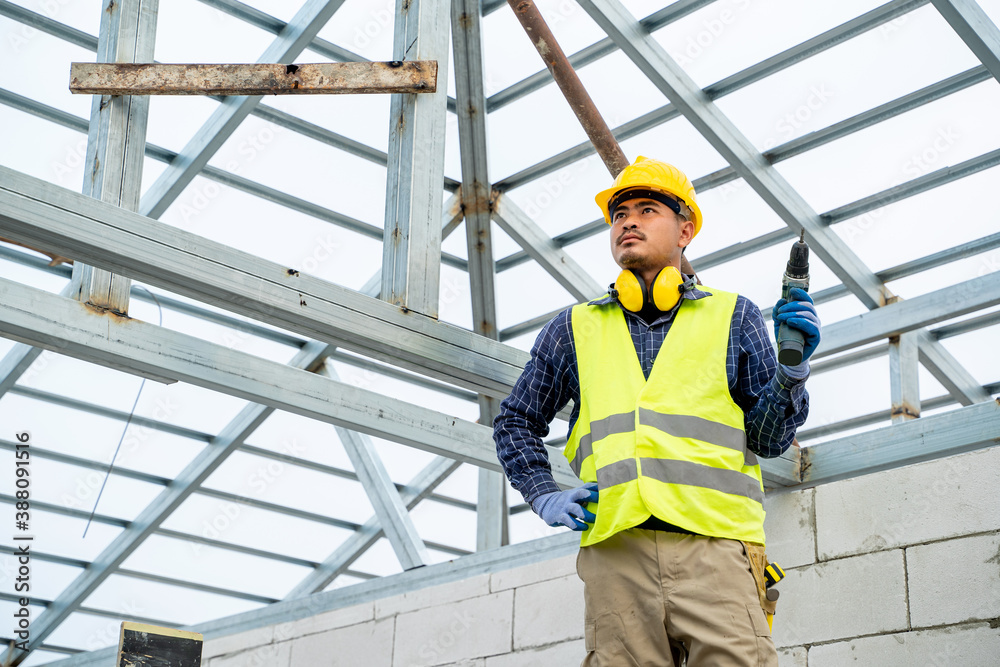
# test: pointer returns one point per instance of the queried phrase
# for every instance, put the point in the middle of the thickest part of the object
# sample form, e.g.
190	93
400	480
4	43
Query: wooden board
141	645
254	79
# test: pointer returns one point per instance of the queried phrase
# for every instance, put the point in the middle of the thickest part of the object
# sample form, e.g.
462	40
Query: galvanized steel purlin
389	507
116	141
476	206
411	244
975	28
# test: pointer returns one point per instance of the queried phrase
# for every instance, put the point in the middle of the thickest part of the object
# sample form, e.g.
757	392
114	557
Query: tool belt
760	568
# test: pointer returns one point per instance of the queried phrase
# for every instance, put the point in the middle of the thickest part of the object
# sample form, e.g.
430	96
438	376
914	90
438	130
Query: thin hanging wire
127	423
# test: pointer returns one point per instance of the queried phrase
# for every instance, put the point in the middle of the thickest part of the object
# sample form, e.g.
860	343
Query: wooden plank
141	645
254	79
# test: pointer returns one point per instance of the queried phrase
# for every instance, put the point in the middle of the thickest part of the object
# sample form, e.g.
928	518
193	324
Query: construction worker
676	392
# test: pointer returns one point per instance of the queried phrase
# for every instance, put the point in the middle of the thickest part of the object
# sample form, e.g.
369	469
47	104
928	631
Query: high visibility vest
672	446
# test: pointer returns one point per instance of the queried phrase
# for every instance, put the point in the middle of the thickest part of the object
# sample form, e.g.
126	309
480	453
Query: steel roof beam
975	28
411	245
116	139
871	418
955	378
477	207
36	316
390	510
218	274
923	439
910	314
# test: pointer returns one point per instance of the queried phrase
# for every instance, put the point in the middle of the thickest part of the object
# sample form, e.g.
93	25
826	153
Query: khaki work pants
652	596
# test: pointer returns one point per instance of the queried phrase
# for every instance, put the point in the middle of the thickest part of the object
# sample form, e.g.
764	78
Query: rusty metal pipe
570	85
572	88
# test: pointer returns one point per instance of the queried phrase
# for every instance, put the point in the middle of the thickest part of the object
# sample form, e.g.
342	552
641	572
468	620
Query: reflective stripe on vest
674	445
680	426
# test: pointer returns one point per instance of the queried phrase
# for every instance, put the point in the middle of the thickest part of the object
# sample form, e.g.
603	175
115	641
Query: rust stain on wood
254	79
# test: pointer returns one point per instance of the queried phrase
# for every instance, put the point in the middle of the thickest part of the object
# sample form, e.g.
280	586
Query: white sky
713	43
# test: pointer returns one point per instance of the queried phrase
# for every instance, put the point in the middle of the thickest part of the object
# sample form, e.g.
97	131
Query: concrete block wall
900	567
896	568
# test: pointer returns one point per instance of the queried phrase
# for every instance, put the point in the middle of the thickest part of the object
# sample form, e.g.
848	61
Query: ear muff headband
632	293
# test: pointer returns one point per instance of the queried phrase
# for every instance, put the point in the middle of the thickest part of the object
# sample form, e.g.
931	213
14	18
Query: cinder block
792	657
844	598
238	642
433	596
368	644
532	574
329	620
789	528
464	630
927	501
271	655
954	581
566	654
548	612
966	645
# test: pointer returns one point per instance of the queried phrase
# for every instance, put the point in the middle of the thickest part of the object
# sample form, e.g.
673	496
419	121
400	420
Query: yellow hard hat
655	175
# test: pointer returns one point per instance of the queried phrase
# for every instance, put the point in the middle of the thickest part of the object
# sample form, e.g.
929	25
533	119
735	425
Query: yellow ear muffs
667	288
631	291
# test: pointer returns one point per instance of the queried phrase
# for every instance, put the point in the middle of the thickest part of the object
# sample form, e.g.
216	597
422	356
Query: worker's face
646	235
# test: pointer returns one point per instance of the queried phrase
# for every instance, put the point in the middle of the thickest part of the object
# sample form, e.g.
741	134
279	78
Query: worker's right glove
566	508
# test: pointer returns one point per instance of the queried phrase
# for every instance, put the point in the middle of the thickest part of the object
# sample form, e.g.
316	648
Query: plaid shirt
772	396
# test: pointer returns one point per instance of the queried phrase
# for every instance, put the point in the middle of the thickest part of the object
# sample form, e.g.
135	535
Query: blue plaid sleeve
772	396
549	381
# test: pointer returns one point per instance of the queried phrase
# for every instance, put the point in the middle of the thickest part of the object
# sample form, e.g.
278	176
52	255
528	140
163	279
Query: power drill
791	341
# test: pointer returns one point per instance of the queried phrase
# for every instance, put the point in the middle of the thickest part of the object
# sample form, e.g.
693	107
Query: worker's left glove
566	508
799	314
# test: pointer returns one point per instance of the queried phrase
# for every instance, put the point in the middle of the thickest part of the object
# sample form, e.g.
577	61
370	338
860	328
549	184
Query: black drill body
791	341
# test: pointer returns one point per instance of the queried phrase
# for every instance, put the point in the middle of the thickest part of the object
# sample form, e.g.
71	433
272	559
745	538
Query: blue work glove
566	508
799	314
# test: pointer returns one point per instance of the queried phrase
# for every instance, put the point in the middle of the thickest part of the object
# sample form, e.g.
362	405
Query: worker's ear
687	232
